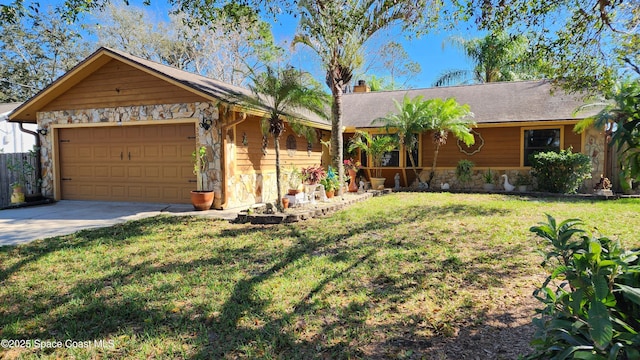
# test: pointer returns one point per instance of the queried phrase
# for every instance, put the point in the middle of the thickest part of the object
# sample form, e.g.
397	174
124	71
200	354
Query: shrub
464	170
560	172
331	181
594	312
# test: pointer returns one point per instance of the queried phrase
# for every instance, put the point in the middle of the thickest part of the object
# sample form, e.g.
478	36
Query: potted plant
313	174
331	182
523	180
17	195
489	184
23	169
464	171
201	199
351	167
295	181
376	146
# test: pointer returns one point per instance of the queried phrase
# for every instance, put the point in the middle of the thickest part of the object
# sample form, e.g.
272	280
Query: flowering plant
350	164
313	174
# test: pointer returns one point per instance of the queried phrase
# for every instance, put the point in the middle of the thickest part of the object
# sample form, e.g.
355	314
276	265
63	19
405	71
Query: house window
540	140
292	145
392	158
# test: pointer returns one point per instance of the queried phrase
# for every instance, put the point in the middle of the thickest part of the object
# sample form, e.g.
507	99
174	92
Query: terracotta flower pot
285	203
202	199
353	187
330	194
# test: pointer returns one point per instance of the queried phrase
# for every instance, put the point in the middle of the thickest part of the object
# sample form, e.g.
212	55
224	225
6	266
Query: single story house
514	119
120	128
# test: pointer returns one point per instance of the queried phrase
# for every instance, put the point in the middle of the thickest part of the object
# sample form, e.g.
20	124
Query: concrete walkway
22	225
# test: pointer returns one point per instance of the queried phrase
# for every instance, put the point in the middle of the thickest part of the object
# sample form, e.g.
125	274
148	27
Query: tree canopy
495	57
585	44
223	53
35	51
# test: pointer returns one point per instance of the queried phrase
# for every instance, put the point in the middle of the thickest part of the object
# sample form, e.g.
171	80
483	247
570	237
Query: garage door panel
84	153
171	172
186	172
101	190
97	162
118	172
171	152
118	191
152	171
101	171
86	171
186	150
116	152
151	152
101	153
136	192
134	172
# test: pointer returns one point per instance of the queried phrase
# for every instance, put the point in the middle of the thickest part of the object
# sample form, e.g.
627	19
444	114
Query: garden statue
603	187
397	180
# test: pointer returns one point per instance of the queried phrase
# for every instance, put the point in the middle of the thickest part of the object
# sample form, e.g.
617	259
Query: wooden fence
26	164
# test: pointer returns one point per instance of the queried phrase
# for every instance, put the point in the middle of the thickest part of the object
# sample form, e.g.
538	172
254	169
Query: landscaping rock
258	214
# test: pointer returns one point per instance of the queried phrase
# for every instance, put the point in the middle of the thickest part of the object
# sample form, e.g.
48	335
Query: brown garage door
150	163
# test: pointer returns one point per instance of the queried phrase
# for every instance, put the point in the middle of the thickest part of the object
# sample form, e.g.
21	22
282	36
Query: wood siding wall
572	139
501	148
118	84
250	159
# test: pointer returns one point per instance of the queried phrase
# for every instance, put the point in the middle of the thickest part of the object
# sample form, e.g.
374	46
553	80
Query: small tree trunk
433	166
276	140
413	165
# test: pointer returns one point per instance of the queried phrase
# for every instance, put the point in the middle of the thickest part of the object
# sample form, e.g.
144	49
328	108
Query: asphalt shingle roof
491	103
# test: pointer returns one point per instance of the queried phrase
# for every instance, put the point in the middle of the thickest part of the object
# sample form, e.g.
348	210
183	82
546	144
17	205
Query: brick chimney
361	87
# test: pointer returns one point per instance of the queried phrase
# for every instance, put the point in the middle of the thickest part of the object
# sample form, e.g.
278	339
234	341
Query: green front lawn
403	276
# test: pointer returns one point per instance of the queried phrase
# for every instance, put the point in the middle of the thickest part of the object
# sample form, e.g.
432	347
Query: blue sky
427	50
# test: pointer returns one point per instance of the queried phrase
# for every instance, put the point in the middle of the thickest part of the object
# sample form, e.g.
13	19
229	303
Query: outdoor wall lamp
43	132
206	124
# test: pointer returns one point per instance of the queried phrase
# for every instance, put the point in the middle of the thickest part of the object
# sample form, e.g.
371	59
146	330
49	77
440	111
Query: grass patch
391	277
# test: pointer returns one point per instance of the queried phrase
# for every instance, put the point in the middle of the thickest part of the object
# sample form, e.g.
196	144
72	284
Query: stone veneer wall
594	147
130	114
248	189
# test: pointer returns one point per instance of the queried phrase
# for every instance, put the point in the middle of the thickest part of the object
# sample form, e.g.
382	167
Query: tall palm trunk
335	83
276	140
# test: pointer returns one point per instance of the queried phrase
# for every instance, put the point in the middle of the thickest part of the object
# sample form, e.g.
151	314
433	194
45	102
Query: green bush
560	172
592	297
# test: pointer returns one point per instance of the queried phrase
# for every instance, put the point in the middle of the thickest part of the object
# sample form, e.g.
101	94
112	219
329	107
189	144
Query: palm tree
409	122
376	146
444	117
337	30
620	119
496	57
282	91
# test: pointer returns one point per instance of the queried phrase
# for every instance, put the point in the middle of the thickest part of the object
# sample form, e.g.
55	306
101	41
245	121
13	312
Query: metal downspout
38	153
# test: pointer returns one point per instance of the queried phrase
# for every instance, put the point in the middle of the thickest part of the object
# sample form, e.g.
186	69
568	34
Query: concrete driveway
22	225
